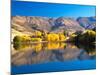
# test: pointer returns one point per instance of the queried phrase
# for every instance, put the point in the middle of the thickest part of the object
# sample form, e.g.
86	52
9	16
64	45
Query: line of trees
88	36
39	36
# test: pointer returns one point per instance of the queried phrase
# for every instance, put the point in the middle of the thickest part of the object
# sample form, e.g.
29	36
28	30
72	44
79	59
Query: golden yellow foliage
37	47
38	33
73	35
25	38
36	39
52	37
41	46
62	45
53	45
62	37
90	32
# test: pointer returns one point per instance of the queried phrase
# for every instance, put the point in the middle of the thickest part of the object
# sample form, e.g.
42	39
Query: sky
23	8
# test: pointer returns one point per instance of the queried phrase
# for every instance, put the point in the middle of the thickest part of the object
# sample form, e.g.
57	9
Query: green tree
17	39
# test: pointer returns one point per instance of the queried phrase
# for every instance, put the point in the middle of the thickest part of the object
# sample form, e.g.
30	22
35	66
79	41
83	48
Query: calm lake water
50	57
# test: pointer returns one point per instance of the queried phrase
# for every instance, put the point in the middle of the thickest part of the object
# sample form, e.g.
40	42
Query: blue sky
51	9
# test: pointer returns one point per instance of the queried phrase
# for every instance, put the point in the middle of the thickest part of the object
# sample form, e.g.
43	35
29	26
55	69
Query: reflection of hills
31	56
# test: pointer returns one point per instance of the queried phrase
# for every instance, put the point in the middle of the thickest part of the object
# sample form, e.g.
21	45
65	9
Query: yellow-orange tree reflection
40	46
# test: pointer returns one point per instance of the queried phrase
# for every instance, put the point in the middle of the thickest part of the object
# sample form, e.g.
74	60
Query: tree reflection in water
53	51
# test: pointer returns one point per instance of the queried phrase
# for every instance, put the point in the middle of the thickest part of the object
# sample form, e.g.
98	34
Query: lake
51	57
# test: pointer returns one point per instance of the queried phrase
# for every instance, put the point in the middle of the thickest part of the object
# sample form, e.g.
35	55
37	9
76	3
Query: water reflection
41	46
89	48
49	52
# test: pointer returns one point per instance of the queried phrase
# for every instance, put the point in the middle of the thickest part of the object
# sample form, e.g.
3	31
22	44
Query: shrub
88	36
36	39
17	39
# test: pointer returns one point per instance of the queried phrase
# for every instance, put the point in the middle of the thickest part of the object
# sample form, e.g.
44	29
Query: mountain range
28	24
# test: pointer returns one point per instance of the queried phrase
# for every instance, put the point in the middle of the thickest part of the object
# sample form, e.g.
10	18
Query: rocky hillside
87	22
68	24
24	25
31	23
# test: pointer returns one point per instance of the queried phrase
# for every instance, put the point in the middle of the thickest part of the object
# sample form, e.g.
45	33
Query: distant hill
87	22
69	24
